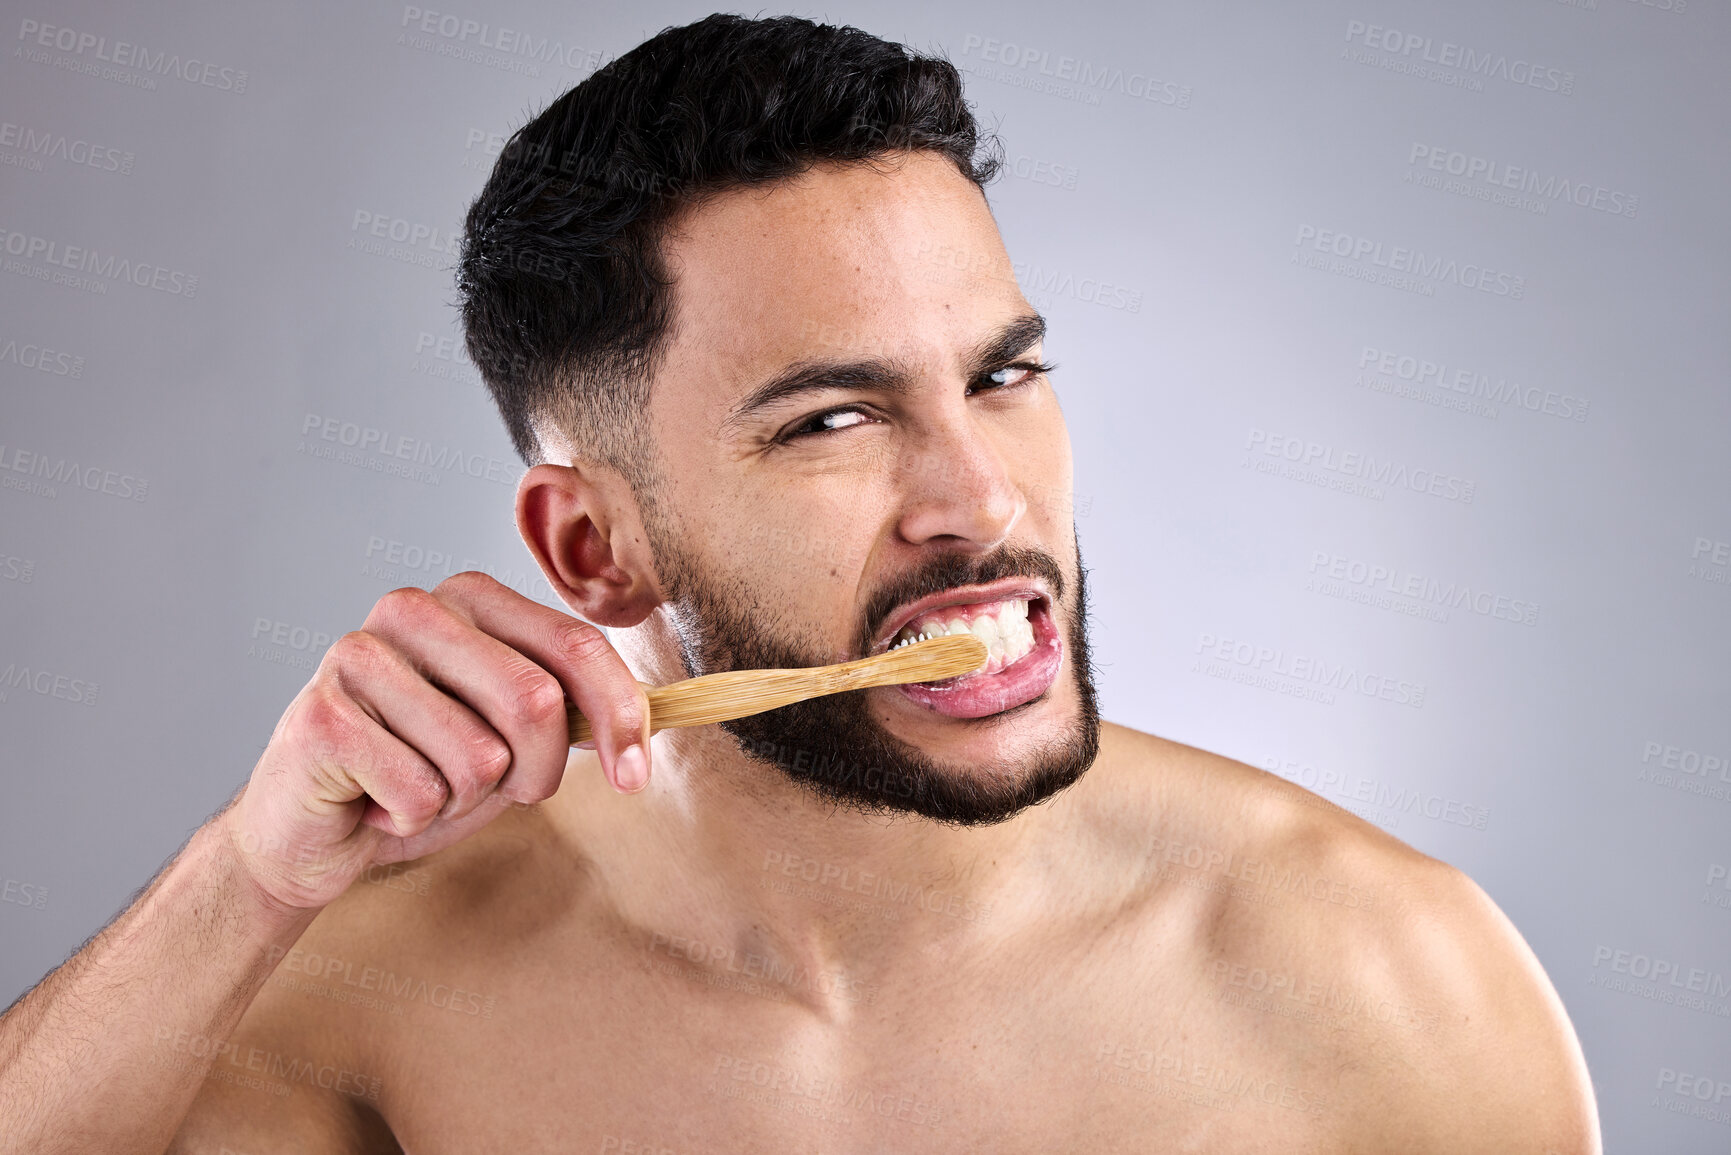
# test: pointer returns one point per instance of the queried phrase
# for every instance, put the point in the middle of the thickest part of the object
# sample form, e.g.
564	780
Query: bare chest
653	1053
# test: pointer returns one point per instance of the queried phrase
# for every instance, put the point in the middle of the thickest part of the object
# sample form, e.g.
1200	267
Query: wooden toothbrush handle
740	693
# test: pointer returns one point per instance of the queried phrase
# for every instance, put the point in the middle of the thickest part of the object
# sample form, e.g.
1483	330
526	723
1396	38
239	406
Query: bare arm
142	1011
413	734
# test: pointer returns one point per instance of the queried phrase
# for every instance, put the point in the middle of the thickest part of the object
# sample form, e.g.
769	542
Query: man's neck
738	862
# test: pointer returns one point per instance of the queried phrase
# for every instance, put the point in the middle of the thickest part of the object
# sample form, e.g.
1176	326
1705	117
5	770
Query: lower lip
981	695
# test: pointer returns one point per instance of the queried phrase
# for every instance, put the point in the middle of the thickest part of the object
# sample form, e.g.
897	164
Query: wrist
222	857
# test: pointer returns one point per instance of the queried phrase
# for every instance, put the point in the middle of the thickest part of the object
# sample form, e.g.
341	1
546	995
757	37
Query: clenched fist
418	727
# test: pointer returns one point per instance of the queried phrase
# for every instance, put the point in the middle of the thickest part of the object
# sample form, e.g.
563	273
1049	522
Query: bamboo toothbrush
741	693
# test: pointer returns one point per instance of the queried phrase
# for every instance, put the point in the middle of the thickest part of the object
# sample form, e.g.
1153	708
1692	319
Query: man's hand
420	727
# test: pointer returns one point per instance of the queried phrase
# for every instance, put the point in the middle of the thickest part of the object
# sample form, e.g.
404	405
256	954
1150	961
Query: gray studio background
1393	344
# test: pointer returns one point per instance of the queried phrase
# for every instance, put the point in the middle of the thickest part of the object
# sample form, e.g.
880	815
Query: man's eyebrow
819	377
803	377
1014	339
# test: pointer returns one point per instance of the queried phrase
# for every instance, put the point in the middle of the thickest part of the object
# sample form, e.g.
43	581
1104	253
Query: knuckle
489	756
580	644
539	697
359	650
406	604
423	794
467	584
586	650
329	718
361	658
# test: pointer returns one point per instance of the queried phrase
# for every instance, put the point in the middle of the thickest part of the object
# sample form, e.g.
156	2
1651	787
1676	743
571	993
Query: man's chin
838	752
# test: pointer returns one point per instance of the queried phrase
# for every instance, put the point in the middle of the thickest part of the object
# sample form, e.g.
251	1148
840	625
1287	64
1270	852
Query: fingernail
589	745
631	769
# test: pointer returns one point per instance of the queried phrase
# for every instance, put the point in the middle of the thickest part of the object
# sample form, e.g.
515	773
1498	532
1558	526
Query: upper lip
1002	590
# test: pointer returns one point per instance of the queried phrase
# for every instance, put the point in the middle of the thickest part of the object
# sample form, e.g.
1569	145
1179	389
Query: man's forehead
899	264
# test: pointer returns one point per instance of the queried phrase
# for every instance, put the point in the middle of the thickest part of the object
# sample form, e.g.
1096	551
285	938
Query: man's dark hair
564	294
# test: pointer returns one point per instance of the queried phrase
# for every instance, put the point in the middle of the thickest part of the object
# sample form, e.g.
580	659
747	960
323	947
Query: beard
831	746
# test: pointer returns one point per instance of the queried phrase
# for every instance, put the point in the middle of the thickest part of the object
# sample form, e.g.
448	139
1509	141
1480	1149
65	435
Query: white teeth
1005	632
984	628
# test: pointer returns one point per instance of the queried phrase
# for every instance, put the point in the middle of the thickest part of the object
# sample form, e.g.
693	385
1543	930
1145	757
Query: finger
587	667
522	703
446	831
445	635
469	754
352	757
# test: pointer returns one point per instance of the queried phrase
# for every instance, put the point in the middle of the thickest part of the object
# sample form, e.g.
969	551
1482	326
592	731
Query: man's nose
957	485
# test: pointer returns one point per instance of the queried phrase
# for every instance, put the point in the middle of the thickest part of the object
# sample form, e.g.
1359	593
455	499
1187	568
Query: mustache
946	571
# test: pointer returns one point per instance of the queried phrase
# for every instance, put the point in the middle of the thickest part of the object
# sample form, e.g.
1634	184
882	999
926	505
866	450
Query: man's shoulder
1190	810
1313	918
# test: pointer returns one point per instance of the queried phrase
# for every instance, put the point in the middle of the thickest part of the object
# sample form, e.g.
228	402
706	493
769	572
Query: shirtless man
773	426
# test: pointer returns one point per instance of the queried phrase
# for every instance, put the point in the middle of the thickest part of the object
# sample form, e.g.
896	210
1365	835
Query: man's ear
582	525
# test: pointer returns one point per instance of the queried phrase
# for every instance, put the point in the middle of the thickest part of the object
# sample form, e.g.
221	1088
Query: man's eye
1012	375
829	419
